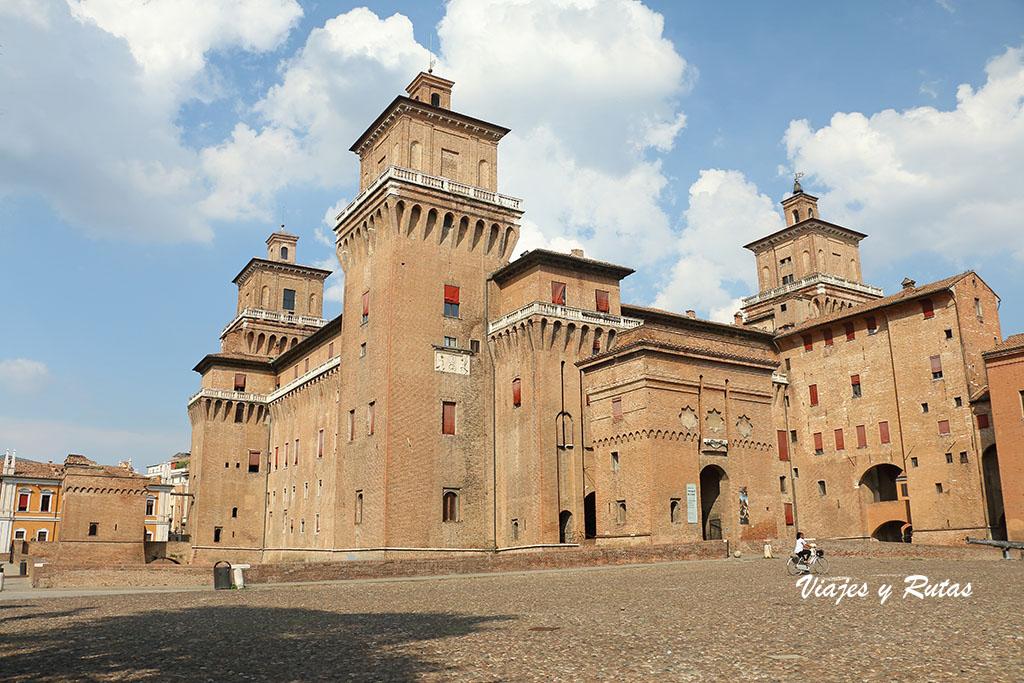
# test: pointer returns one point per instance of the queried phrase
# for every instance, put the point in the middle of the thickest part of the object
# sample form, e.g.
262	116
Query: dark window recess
94	528
958	402
558	293
808	343
284	253
288	302
850	336
435	100
450	507
827	334
819	446
366	306
216	534
963	457
949	333
913	461
855	385
254	461
792	435
926	308
924	407
871	324
949	458
983	421
239	412
474	345
234	512
451	301
822	491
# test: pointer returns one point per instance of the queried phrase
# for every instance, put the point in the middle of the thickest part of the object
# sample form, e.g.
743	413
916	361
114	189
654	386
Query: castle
465	402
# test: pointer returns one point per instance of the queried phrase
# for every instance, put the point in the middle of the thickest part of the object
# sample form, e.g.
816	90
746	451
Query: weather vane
799	175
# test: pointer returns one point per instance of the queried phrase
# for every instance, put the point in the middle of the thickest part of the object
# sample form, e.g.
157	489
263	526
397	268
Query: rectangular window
150	507
903	491
620	517
958	402
371	413
615	461
944	427
787	279
963	457
840	444
850	336
366	306
94	528
936	362
276	452
23	502
362	350
862	436
602	300
517	391
352	425
450	506
447	417
286	449
296	451
254	461
808	343
44	502
792	435
307	366
926	308
596	348
924	407
977	307
819	446
855	385
871	324
330	350
827	333
796	472
474	345
913	461
558	293
782	484
983	421
788	510
938	487
949	458
317	518
949	333
239	381
617	406
451	343
783	444
822	491
451	301
320	444
814	394
239	412
288	301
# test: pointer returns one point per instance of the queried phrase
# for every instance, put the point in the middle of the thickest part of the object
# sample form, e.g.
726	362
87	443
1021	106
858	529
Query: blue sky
147	150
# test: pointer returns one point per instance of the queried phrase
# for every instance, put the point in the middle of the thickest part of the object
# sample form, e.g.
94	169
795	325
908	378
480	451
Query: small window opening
94	528
216	534
450	507
435	100
822	490
615	461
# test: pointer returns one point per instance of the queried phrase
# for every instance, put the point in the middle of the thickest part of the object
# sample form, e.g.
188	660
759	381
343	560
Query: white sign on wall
691	503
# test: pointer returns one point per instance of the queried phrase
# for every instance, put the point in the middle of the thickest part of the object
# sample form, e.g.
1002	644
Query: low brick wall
552	558
57	576
864	548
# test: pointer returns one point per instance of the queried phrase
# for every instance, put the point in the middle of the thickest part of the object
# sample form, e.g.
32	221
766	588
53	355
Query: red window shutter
23	501
862	436
818	445
788	507
808	343
451	294
927	309
982	420
276	452
840	444
828	336
936	363
558	293
854	380
602	300
371	417
814	394
883	432
448	418
617	407
517	396
944	427
783	444
254	458
330	350
849	332
239	381
366	303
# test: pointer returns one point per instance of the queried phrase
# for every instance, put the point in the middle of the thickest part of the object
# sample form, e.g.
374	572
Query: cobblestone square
706	620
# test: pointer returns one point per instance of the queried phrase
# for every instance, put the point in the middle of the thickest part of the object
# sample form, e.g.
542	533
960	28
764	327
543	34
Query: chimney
578	253
691	314
908	284
737	318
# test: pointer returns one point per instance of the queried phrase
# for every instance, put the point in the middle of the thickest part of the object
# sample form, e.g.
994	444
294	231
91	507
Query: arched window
796	216
234	512
284	253
416	155
674	511
435	100
810	212
450	507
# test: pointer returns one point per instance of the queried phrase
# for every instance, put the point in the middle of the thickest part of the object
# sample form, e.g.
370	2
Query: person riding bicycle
803	548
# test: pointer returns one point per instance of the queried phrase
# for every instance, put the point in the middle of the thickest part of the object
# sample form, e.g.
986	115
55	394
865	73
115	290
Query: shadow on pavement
230	642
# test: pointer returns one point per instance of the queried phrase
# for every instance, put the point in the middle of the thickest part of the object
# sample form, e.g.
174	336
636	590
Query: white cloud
101	140
21	375
725	210
926	179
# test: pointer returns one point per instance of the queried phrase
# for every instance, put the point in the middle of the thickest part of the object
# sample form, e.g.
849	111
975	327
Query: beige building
463	402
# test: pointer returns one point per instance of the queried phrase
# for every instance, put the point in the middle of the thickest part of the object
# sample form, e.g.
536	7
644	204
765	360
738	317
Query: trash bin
222	575
23	569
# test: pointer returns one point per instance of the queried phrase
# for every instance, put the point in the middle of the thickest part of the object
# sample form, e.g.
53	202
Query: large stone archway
993	493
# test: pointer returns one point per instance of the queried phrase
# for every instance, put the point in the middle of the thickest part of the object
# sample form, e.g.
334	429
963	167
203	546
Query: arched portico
713	482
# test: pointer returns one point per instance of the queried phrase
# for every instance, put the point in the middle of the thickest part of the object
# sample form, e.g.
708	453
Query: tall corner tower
279	304
808	269
417	246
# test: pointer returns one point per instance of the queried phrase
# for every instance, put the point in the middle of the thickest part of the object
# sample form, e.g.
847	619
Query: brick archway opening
712	503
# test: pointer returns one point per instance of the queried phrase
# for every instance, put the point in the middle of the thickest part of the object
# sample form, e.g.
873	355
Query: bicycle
815	563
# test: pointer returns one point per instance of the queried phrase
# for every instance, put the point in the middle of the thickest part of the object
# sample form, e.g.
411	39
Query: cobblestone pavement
711	620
